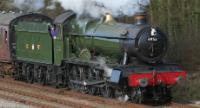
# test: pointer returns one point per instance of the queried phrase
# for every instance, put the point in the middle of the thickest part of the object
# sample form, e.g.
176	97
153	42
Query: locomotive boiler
98	57
117	40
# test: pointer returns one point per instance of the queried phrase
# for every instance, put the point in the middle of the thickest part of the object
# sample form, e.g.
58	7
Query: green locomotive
93	56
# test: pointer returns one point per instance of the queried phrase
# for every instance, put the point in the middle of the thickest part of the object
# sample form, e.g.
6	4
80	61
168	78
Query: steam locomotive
98	57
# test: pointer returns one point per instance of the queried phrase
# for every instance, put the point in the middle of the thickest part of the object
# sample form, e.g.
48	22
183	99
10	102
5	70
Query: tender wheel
30	75
18	73
41	76
47	77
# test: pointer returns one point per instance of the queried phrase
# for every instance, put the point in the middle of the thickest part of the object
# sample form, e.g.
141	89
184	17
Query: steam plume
103	65
96	8
28	5
52	6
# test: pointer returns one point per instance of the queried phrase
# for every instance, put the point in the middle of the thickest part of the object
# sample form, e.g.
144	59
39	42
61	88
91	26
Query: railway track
41	96
37	97
48	97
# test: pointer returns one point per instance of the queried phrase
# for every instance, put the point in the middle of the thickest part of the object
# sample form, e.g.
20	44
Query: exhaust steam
93	8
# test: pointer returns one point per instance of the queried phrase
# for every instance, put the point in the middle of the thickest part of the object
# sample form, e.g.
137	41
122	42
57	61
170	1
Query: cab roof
7	18
63	17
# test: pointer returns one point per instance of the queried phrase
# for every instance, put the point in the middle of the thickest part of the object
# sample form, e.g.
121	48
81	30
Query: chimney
140	18
108	18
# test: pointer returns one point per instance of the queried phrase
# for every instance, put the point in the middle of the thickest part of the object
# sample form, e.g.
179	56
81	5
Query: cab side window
5	36
1	32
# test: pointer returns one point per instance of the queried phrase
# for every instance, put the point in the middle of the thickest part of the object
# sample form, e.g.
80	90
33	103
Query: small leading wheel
137	95
106	91
120	95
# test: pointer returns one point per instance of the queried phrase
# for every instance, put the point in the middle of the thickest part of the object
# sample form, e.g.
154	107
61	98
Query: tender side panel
33	42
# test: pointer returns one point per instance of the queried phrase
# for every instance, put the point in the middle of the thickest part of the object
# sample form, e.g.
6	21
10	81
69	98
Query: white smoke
52	6
103	65
28	5
96	8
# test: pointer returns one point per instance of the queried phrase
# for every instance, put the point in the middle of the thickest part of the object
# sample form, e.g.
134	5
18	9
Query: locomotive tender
92	56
